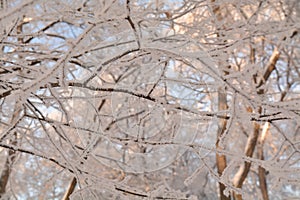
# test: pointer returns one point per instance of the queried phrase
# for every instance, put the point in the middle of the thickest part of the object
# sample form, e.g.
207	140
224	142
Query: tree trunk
14	120
221	159
7	167
261	170
243	171
11	154
222	105
70	189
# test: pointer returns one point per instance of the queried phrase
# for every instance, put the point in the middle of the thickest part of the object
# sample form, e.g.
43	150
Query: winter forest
149	99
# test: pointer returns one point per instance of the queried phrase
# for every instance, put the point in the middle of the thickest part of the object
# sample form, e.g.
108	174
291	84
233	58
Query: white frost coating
164	99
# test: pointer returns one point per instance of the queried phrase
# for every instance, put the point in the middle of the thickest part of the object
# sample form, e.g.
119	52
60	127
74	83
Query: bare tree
149	99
